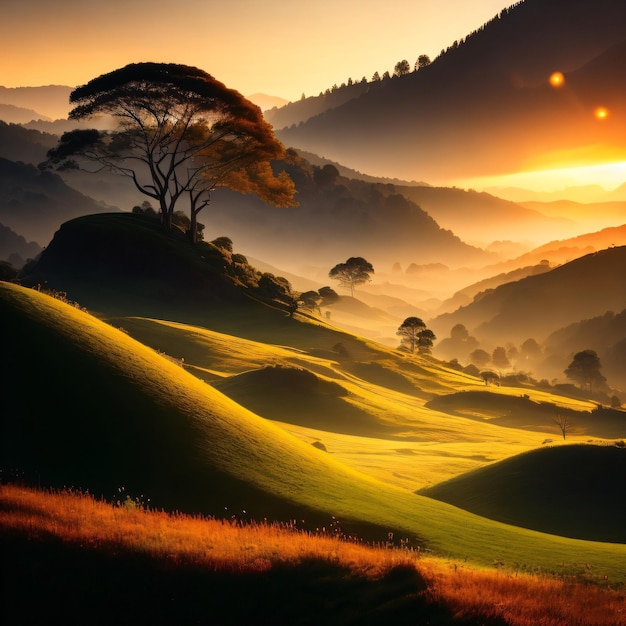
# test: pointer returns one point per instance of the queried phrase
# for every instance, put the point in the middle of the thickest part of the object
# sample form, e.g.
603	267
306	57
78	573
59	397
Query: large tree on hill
355	271
180	134
585	369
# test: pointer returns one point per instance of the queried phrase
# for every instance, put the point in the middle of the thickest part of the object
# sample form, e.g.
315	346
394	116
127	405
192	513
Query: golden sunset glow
557	79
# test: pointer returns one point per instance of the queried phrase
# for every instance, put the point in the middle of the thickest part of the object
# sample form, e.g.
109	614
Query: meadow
85	559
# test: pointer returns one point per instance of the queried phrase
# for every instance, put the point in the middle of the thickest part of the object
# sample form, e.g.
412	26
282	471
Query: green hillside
88	406
574	491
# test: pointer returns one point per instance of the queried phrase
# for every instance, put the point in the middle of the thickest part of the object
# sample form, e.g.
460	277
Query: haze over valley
395	309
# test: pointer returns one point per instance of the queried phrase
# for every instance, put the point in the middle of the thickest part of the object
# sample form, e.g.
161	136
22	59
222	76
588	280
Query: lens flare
557	79
601	113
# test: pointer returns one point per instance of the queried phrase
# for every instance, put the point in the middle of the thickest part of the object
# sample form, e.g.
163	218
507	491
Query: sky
281	48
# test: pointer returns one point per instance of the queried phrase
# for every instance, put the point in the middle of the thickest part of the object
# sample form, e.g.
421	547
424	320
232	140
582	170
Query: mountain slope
127	417
537	305
473	112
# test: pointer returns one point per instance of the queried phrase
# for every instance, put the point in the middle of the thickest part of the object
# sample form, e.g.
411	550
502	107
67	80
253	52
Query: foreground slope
109	411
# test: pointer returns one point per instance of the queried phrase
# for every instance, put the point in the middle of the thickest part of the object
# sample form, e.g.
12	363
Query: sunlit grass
221	441
232	548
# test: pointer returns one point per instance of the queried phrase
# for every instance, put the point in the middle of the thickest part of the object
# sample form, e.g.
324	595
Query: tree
479	357
415	336
423	60
329	295
355	271
401	68
500	359
585	369
375	77
489	377
180	134
563	423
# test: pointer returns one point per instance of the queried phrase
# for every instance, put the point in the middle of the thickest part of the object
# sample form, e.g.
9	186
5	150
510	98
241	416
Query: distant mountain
19	115
19	144
486	105
267	102
337	217
481	217
15	249
53	101
35	203
538	305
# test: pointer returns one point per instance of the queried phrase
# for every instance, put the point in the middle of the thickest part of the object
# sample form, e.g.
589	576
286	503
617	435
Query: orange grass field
235	548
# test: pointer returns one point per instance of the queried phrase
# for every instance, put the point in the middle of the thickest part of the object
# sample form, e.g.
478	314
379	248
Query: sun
557	79
601	113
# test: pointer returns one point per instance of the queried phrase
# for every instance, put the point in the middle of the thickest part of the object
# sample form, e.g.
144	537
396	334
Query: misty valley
281	367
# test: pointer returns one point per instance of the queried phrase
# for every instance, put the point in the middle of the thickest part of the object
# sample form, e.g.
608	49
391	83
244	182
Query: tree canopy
585	369
415	336
355	271
180	133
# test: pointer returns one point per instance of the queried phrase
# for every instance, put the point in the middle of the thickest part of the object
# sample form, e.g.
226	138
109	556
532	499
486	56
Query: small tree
402	67
425	341
423	60
489	377
585	369
355	271
563	423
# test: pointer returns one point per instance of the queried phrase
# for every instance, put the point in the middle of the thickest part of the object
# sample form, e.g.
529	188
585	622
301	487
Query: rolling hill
541	490
110	412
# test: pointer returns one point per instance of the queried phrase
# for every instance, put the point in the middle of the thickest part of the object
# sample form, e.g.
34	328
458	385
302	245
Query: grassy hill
109	412
570	490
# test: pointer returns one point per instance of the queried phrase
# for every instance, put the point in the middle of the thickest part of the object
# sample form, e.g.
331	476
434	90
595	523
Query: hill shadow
574	491
297	396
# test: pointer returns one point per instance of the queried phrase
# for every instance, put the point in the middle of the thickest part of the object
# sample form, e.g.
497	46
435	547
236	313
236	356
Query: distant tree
425	341
311	300
355	271
563	423
499	358
386	75
180	134
530	349
375	77
489	377
401	68
585	369
423	60
415	336
328	295
479	357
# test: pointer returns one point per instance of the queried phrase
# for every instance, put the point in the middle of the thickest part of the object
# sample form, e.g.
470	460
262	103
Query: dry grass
233	548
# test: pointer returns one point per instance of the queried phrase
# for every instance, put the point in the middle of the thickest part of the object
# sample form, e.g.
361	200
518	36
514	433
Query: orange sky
278	47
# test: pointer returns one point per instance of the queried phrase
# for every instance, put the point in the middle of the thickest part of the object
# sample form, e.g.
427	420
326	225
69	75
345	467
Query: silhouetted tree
530	349
180	134
355	271
415	336
585	369
329	295
311	300
401	68
423	60
563	423
489	377
375	77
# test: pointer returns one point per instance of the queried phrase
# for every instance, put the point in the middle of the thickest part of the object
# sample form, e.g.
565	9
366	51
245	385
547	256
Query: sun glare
557	79
601	113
